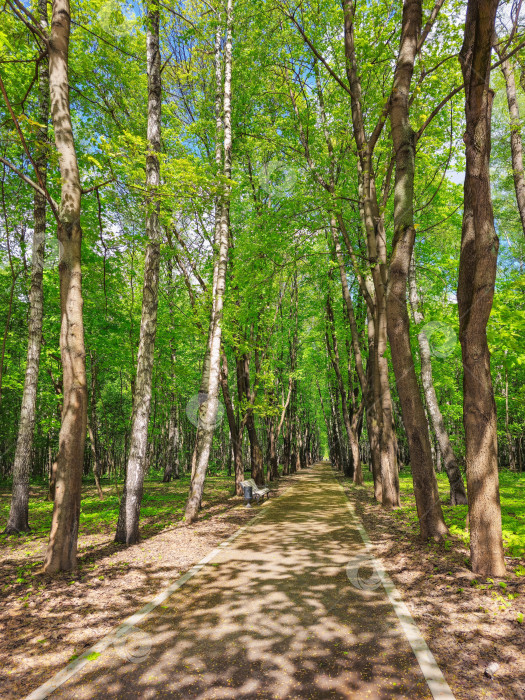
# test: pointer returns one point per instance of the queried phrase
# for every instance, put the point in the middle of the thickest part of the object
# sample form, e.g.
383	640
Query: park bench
257	492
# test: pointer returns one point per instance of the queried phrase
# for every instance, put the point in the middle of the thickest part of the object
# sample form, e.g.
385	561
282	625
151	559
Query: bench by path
274	616
258	492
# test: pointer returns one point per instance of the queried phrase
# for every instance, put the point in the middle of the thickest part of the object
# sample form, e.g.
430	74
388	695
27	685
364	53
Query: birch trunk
18	520
457	488
129	513
219	128
62	548
477	275
208	408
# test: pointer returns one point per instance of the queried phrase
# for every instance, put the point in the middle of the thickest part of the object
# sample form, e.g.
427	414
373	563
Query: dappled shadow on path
468	622
274	616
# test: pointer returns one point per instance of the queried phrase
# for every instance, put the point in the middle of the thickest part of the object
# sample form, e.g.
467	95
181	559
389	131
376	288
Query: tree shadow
468	622
273	616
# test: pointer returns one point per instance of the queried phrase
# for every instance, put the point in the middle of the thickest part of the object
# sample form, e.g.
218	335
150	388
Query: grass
162	506
512	493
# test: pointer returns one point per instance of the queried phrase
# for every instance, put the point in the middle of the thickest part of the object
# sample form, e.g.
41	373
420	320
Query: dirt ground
467	622
45	623
275	616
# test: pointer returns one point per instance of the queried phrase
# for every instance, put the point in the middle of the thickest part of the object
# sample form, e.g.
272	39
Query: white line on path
435	680
75	666
433	676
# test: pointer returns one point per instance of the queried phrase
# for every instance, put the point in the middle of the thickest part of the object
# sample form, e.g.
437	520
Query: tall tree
457	488
373	221
477	275
209	406
18	520
62	548
429	511
129	513
516	143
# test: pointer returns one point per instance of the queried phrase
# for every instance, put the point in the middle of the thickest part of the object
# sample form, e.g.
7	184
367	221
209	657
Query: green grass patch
512	494
162	507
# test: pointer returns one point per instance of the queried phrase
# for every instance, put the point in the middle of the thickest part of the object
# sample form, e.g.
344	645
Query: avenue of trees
247	235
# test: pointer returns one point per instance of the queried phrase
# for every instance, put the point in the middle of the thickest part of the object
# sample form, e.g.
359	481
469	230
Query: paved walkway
273	616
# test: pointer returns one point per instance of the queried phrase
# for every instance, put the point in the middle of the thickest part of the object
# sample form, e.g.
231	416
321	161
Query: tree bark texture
62	547
477	275
431	522
18	520
129	513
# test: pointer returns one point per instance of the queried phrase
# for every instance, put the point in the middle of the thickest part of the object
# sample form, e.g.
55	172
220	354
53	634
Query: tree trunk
92	429
516	145
256	455
431	522
62	548
208	408
96	465
286	446
372	410
350	428
341	461
129	514
171	469
18	520
243	383
457	488
510	442
383	408
235	433
376	246
477	275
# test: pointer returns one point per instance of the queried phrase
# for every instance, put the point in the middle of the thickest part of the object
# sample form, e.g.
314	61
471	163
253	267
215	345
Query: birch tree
208	407
129	513
18	520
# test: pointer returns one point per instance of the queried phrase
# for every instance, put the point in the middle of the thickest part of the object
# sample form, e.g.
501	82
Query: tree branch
30	182
28	19
43	189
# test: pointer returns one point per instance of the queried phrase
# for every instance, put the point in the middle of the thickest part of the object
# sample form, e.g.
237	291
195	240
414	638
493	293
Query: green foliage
281	267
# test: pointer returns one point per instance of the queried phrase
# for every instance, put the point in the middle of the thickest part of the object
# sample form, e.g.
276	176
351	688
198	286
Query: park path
273	616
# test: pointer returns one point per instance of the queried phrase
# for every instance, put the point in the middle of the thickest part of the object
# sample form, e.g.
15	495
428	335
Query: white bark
128	522
208	408
18	515
457	488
